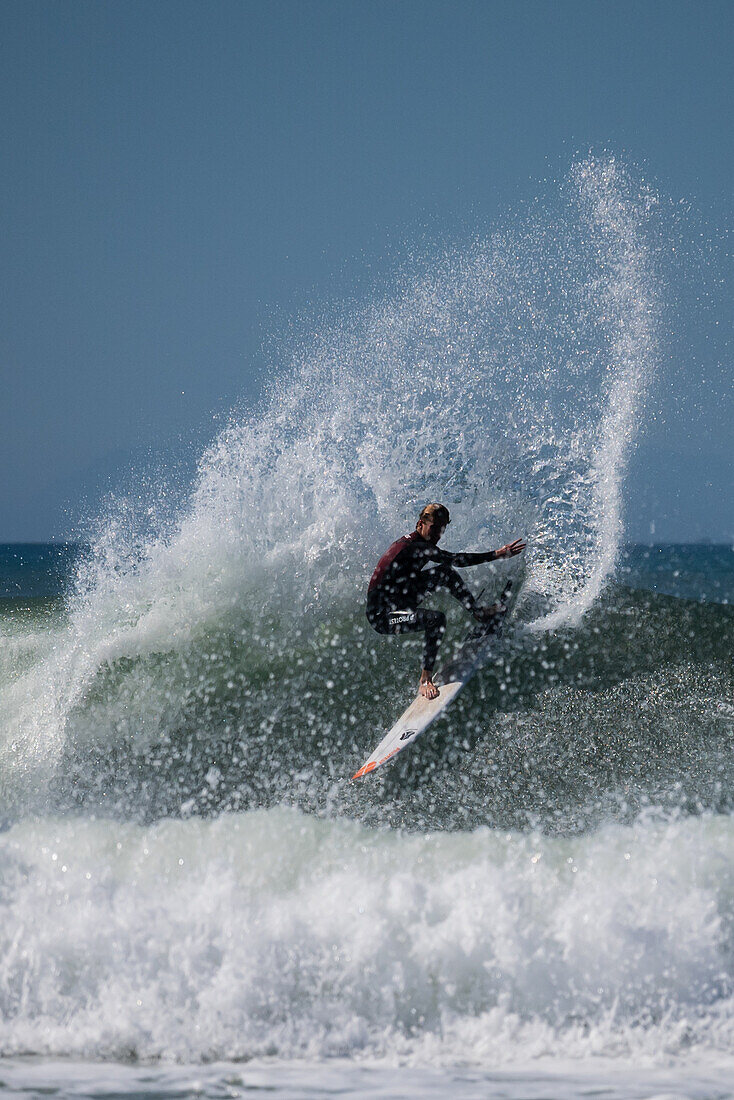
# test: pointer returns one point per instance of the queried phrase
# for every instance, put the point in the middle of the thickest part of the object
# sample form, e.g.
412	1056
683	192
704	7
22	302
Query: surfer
399	584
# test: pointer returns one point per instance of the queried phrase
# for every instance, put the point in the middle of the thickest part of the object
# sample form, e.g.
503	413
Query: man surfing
399	584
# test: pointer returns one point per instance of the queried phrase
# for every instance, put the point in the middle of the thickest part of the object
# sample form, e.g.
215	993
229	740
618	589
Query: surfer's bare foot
427	687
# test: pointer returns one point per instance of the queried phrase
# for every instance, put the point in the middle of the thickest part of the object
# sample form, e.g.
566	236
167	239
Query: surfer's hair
435	511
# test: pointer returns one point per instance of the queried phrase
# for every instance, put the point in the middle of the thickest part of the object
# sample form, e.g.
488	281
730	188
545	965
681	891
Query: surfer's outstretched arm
509	550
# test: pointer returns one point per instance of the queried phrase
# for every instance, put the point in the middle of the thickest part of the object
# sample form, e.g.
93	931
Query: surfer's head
432	522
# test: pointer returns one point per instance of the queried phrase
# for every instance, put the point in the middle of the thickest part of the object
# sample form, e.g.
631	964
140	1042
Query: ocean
537	899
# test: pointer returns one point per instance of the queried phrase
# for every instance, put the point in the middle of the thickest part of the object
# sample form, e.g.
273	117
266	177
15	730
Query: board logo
408	733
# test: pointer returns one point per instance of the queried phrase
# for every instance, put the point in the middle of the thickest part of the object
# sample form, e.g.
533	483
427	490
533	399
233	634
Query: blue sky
179	178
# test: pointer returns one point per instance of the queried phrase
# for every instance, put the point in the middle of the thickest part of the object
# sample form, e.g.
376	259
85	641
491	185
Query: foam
277	933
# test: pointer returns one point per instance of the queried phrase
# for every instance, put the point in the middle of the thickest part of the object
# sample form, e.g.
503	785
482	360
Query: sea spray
504	379
627	297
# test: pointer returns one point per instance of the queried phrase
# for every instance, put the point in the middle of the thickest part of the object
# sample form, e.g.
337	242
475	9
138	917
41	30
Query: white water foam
276	933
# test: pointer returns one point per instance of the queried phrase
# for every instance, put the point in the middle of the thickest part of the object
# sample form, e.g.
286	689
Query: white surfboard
449	680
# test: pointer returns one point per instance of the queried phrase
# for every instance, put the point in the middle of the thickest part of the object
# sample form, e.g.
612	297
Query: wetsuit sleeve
428	552
463	560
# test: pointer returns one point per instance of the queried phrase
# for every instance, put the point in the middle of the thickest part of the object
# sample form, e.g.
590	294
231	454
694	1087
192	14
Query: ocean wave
277	933
557	731
507	379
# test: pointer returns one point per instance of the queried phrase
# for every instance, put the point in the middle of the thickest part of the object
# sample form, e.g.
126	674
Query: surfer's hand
511	548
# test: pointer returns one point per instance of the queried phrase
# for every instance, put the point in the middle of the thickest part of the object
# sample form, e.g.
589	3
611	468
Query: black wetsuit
399	583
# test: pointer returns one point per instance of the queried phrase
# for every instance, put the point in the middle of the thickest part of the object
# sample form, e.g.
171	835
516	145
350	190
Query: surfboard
450	680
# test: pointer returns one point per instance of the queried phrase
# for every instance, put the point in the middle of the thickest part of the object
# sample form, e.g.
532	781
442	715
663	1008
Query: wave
632	709
506	379
185	871
276	933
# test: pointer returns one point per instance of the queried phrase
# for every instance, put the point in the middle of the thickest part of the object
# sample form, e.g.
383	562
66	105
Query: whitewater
537	900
